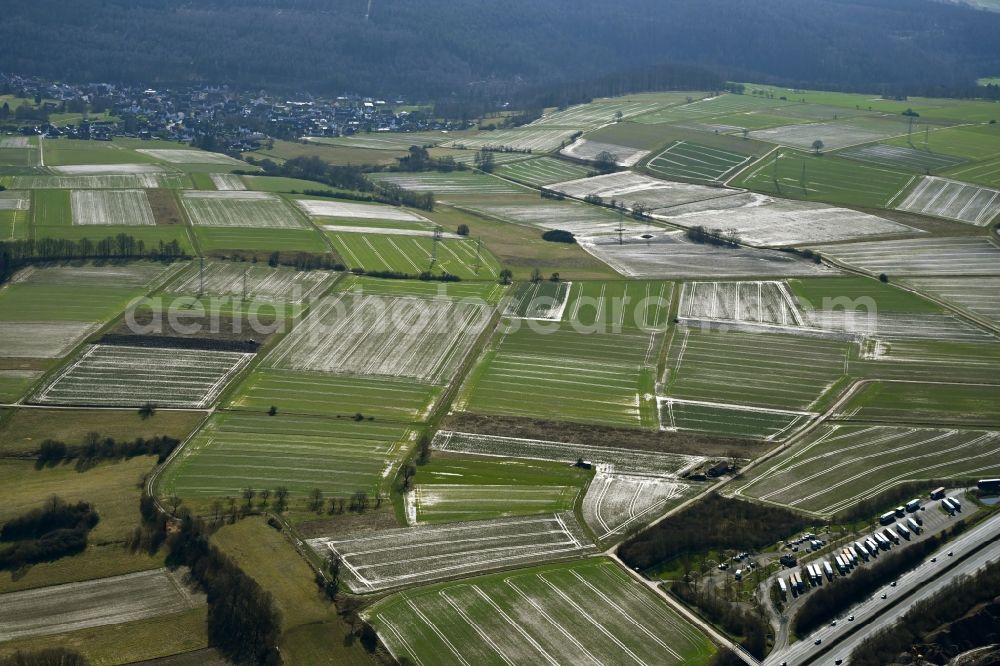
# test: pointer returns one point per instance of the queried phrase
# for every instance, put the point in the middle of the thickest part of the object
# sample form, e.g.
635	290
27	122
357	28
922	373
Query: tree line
243	622
48	533
96	448
17	254
429	50
715	522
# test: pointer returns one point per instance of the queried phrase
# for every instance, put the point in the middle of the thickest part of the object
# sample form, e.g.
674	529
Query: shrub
558	236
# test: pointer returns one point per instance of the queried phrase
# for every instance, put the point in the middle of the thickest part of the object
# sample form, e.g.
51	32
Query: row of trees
16	254
351	178
717	237
243	621
96	448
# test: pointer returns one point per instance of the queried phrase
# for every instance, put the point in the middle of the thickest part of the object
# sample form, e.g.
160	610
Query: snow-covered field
457	182
754	302
617	503
121	376
668	254
126	181
763	220
106	169
579	219
384	336
834	134
585	149
95	603
923	326
413	555
15	200
240	209
348	210
111	207
595	114
15	142
587	612
525	139
608	458
50	339
181	156
228	182
630	488
963	256
260	282
133	274
630	188
953	200
978	295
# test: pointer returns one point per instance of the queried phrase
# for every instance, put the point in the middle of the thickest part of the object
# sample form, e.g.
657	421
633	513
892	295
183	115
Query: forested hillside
432	48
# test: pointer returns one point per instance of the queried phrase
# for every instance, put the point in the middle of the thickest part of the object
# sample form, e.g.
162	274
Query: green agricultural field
333	396
64	152
340	155
540	300
286	185
770	370
981	173
694	162
453	487
595	366
51	208
721	105
415	254
15	224
729	420
933	403
14	384
979	142
67	293
810	177
238	450
227	239
840	465
570	613
542	171
829	293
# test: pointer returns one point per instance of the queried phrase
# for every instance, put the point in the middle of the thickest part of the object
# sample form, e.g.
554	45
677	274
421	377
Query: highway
880	613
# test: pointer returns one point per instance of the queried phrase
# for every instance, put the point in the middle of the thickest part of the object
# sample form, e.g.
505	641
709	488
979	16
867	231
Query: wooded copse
48	533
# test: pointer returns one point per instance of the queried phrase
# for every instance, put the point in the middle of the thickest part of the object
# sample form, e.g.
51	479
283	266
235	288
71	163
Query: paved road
880	613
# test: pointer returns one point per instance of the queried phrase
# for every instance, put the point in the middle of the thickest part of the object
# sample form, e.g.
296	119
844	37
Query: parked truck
782	587
913	505
913	525
828	569
887	518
